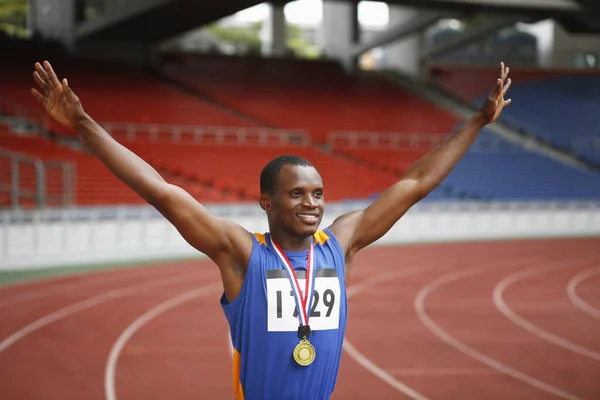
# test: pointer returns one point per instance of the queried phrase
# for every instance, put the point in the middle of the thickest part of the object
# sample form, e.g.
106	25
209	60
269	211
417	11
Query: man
284	291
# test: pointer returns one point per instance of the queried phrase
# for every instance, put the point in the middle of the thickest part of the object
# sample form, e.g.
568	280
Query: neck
291	243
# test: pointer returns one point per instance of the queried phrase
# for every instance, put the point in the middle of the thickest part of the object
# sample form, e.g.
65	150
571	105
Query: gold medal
304	353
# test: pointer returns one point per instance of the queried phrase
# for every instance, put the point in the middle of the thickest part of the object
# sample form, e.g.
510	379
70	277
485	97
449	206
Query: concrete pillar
54	19
544	32
273	34
403	54
339	31
31	14
567	45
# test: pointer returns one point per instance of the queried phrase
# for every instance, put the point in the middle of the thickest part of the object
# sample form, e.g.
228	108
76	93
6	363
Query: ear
265	202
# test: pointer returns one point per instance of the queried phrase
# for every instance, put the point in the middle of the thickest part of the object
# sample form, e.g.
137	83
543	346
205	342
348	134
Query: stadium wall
69	240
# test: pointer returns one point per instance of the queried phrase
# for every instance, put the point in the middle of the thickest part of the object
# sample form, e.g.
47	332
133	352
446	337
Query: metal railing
365	139
31	181
409	141
207	134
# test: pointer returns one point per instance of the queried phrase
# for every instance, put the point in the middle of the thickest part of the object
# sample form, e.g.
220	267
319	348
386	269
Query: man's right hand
60	102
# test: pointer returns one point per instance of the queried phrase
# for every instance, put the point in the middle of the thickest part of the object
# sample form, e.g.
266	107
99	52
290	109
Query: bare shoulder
217	237
344	228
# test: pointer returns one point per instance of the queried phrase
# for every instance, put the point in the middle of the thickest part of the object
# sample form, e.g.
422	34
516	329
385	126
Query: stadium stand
115	93
212	173
95	184
470	82
492	169
237	168
561	105
135	97
508	172
561	110
314	95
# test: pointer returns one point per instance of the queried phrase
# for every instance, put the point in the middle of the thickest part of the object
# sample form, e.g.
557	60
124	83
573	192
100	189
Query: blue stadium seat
509	172
560	110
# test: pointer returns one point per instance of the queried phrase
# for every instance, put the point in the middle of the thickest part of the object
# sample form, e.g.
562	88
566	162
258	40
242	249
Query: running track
499	320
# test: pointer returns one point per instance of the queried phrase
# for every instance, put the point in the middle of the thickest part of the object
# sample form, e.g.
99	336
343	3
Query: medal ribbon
304	303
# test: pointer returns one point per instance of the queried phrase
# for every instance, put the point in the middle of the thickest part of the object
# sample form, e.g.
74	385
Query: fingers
69	95
498	88
38	79
504	71
43	75
506	87
51	74
504	82
507	102
39	96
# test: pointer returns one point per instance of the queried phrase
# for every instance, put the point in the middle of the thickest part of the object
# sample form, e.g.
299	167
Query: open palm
495	103
60	102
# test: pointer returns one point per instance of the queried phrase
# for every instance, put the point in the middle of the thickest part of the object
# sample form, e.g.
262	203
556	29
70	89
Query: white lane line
88	303
441	371
575	298
117	348
363	360
380	373
62	286
419	305
528	325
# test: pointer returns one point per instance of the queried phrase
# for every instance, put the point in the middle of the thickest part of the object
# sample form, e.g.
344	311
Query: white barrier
85	236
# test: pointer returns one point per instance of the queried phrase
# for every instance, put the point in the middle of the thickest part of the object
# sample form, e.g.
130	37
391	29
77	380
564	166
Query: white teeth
307	216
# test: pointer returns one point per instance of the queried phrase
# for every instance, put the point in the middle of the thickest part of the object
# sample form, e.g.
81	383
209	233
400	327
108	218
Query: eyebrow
302	189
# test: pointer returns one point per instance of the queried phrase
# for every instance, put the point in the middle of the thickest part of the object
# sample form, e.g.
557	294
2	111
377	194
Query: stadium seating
397	161
557	106
497	170
561	110
116	93
211	173
314	95
471	83
95	185
317	96
237	168
588	149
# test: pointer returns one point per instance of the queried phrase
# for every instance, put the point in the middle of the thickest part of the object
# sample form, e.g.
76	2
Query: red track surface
444	321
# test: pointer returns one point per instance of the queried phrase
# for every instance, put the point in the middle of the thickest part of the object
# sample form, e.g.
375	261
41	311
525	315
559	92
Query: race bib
283	314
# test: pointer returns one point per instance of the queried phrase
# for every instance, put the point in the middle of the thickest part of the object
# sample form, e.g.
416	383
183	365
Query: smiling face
296	205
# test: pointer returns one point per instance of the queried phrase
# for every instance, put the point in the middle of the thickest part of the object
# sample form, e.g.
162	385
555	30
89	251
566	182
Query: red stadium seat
95	184
312	95
114	93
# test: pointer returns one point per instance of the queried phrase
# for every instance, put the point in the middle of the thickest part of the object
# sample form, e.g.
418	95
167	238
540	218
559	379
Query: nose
309	202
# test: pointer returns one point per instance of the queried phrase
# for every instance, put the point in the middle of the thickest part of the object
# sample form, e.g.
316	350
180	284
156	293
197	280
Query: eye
295	193
319	193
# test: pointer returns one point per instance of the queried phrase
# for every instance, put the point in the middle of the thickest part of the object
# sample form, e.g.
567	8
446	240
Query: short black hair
269	174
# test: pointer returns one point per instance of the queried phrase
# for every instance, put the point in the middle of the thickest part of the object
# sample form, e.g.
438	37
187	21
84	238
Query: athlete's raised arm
359	229
227	243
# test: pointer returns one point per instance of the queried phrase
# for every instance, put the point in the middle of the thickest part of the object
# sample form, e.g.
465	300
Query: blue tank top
263	323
